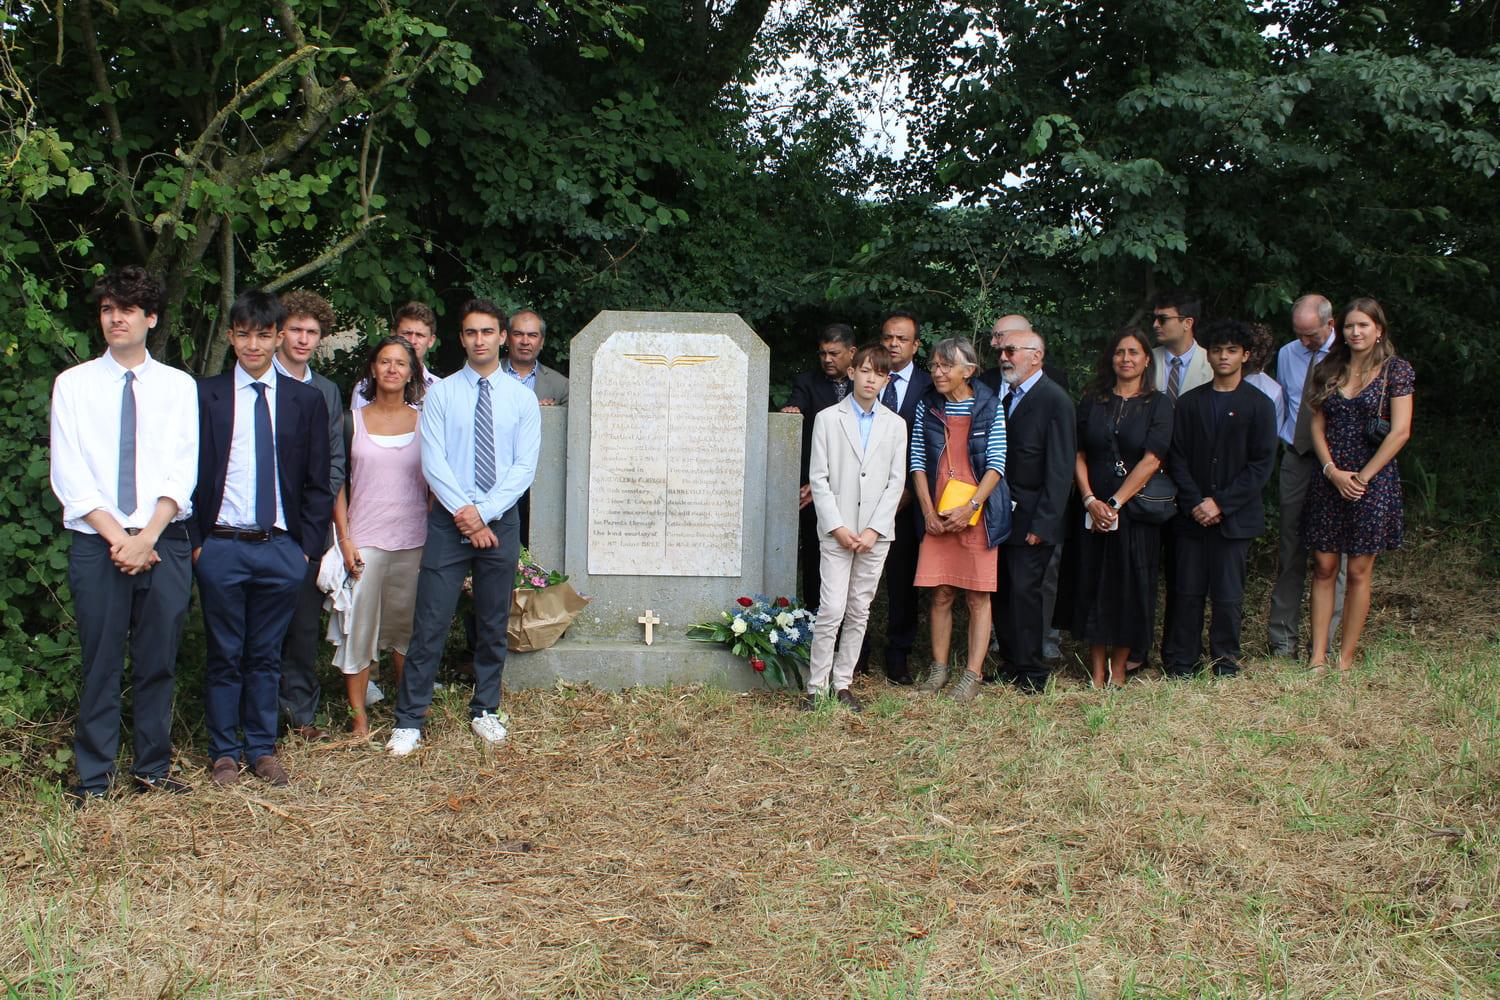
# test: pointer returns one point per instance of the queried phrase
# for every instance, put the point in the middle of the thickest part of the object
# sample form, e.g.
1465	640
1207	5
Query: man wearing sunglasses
1180	363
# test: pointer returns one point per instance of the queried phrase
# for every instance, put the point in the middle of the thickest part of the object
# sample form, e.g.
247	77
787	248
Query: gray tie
484	440
1174	379
125	486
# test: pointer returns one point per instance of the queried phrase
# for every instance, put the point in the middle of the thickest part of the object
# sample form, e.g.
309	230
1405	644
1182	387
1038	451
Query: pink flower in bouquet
757	664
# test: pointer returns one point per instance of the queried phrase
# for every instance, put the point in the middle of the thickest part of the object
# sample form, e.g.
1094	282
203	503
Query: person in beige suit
857	472
1180	363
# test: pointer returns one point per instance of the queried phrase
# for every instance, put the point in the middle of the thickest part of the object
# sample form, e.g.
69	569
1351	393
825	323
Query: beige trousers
849	582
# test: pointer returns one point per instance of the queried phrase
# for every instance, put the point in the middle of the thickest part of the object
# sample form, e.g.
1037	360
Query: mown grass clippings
1273	835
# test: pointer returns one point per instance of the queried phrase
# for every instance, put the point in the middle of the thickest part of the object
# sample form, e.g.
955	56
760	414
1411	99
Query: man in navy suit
260	515
1223	447
908	383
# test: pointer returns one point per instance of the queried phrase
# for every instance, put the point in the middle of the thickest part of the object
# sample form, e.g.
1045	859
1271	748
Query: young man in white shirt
308	318
416	324
124	464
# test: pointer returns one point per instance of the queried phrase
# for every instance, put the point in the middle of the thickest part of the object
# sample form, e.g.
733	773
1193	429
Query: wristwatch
974	504
1112	503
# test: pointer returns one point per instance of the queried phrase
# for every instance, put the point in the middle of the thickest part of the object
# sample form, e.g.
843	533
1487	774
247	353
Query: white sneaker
488	727
373	694
403	741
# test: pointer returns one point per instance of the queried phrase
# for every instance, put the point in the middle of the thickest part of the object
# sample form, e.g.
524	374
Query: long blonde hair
1332	370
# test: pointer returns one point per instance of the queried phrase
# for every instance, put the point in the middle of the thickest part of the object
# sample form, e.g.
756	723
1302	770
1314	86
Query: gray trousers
145	612
300	690
1297	474
446	559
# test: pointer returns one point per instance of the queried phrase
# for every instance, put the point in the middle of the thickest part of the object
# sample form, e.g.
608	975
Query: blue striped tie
484	440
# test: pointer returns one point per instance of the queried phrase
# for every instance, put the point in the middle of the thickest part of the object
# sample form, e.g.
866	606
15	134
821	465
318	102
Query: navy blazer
812	393
1231	463
302	463
1040	456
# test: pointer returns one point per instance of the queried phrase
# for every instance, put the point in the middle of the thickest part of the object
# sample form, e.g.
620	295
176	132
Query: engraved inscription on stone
667	435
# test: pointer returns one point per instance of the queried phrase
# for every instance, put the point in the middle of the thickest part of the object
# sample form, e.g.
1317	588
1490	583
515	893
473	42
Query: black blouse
1142	424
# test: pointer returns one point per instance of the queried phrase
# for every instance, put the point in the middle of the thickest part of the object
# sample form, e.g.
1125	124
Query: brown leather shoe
309	732
226	772
847	699
269	769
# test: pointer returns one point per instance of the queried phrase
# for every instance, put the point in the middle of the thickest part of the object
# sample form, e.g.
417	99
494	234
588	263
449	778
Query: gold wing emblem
679	361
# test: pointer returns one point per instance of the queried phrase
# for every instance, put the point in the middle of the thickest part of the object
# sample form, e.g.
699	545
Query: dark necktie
1302	432
889	396
1174	379
125	484
265	461
1012	398
484	440
840	390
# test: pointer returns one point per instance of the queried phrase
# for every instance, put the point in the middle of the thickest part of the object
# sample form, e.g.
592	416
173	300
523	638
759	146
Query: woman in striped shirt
958	436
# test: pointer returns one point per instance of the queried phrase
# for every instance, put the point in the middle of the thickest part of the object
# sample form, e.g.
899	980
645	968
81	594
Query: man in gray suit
308	317
523	345
1312	323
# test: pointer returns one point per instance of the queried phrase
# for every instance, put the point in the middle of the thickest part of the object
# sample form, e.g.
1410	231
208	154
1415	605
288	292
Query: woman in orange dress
959	435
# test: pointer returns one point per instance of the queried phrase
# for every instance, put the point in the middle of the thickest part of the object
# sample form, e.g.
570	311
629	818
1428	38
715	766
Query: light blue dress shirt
1292	362
866	421
528	380
447	427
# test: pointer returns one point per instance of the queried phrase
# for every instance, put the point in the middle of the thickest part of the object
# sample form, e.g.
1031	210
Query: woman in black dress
1355	508
1116	609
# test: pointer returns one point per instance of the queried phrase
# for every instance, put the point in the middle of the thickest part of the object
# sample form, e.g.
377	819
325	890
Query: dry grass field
1273	835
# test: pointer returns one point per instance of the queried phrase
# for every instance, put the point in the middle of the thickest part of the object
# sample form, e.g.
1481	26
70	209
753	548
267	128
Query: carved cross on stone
649	619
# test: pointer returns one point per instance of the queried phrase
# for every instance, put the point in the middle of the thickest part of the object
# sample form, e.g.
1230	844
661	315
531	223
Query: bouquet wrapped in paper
542	606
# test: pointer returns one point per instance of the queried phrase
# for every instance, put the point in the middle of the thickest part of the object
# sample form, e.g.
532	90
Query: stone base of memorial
664	490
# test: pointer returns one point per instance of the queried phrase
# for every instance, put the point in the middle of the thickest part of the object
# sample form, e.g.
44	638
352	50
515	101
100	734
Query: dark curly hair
416	384
301	303
131	286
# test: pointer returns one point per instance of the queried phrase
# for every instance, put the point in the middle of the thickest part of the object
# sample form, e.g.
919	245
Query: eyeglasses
1010	349
947	366
1164	317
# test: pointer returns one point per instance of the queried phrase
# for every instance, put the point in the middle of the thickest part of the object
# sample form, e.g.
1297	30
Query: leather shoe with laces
166	783
847	699
226	772
269	769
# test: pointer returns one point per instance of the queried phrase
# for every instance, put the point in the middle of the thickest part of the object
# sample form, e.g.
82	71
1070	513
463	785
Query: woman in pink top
381	519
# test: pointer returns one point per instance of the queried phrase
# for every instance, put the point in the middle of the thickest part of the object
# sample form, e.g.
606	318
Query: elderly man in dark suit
812	392
260	516
1039	433
1016	323
907	385
1223	448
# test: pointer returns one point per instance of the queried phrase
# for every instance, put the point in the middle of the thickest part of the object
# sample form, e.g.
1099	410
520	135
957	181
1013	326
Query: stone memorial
664	490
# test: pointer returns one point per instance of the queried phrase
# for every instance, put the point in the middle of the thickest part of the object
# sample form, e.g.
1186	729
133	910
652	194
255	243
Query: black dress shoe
847	699
896	670
166	784
79	796
808	703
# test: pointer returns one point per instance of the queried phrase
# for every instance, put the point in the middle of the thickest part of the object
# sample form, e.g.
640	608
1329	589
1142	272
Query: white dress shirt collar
281	368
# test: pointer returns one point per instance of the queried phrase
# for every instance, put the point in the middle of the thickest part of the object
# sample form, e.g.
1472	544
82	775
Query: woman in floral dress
1362	409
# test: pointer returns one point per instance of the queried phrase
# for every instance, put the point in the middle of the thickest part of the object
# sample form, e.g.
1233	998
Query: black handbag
1377	427
1156	502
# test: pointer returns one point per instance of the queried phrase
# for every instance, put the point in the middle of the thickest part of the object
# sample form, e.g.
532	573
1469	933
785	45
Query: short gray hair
956	351
1318	303
528	311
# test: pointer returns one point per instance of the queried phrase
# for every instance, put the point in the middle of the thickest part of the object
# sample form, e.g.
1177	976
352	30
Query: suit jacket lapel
221	392
286	418
850	423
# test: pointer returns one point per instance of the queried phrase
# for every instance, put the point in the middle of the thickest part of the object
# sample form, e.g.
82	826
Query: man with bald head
1016	323
1312	326
1040	452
